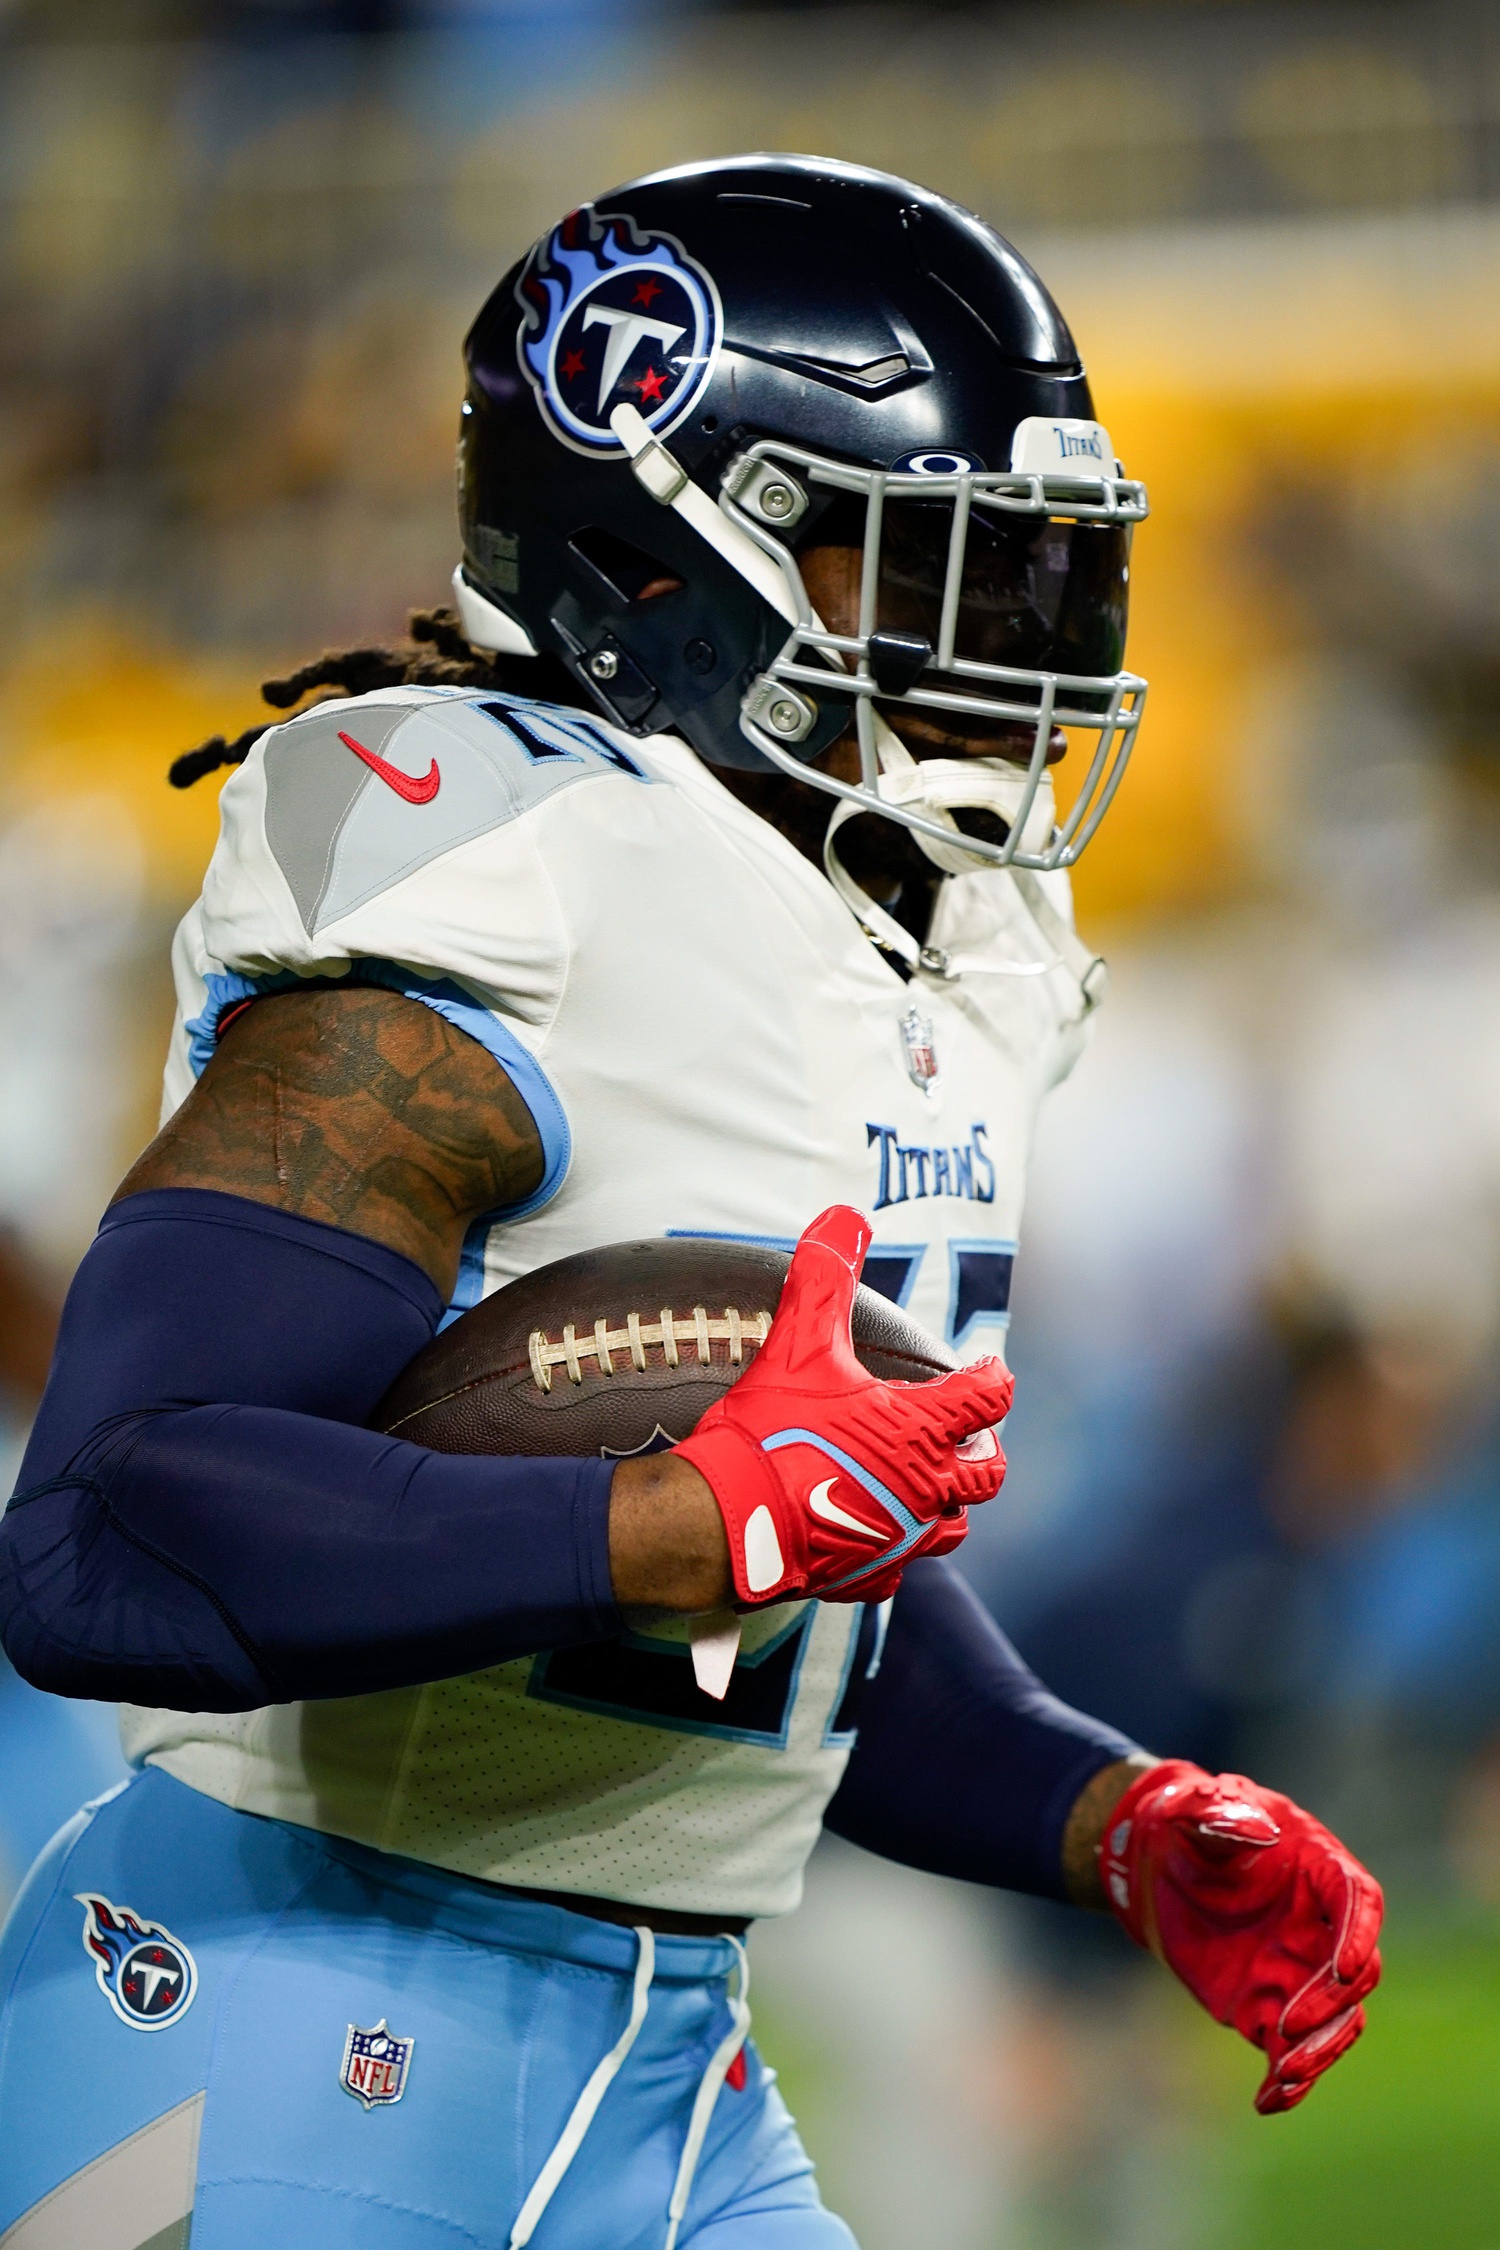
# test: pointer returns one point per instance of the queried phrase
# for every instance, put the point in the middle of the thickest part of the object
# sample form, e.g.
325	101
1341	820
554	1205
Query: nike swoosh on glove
829	1480
1258	1907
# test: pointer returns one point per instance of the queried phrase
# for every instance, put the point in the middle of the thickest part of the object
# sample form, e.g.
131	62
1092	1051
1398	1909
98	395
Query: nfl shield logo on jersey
612	317
375	2064
147	1976
921	1055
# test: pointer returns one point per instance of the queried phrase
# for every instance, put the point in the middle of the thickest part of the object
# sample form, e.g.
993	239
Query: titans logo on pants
147	1976
612	317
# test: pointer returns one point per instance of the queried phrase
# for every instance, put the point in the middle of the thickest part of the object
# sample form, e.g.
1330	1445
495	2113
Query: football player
701	871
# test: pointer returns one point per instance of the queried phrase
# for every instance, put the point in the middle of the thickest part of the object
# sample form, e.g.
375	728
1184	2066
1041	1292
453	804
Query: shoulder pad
360	793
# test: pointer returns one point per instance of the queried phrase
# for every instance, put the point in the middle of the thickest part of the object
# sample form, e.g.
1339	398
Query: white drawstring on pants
720	2064
570	2140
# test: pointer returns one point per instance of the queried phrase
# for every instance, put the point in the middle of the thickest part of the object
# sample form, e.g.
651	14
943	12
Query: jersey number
651	1683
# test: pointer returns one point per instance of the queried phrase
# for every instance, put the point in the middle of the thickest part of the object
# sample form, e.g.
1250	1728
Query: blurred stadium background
1254	1509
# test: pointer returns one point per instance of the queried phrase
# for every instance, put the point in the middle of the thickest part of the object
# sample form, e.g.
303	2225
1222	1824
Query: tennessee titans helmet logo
147	1976
614	316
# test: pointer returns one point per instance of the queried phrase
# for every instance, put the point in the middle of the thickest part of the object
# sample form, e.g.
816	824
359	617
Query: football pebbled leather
484	1386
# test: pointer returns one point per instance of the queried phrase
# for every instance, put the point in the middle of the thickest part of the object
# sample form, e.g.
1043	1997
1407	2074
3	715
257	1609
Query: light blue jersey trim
843	1738
224	993
912	1252
469	1287
835	1737
519	1064
882	1627
448	999
984	1316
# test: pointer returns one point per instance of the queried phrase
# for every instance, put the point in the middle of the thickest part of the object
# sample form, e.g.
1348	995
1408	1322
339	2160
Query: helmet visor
990	606
1036	593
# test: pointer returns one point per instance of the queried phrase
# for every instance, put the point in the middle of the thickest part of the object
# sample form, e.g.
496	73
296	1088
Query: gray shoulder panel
360	795
137	2195
312	781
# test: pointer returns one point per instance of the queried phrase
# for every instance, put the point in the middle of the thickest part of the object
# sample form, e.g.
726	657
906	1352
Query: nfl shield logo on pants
375	2064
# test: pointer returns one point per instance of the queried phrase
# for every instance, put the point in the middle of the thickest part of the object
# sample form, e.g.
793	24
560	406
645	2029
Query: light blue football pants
175	2058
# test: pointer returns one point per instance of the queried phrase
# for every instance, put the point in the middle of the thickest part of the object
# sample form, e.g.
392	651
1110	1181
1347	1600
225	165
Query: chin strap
939	787
668	483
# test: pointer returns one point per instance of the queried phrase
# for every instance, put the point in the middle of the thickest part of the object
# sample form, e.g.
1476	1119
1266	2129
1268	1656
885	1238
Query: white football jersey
709	1045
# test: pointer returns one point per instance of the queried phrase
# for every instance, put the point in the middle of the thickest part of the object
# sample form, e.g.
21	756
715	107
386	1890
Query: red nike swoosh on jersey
417	789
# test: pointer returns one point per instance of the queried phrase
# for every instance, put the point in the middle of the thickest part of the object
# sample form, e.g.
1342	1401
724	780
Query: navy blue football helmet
690	383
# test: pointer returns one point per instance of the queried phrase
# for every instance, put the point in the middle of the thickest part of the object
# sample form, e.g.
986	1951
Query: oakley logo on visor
938	461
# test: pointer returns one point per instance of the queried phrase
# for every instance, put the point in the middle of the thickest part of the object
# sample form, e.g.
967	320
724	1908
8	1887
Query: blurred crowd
1261	1308
1253	1513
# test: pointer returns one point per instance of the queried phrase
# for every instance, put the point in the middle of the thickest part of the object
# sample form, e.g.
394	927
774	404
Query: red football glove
1259	1909
830	1481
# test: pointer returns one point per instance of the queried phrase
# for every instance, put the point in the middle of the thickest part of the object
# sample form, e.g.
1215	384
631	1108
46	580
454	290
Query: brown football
618	1350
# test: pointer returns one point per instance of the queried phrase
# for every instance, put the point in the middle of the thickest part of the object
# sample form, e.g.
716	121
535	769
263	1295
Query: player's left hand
1259	1908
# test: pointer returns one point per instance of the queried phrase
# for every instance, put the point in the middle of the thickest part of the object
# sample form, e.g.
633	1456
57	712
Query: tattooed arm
204	1518
373	1113
358	1108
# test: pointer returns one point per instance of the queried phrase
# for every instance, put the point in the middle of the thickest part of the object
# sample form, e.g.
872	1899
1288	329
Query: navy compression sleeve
201	1520
964	1764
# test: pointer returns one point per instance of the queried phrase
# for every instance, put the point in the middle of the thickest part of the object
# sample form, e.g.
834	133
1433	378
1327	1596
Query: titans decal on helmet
614	316
147	1975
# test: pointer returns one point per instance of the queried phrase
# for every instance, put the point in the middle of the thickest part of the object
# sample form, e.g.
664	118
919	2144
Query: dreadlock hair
435	654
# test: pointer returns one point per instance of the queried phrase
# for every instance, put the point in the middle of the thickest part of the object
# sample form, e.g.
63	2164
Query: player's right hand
830	1481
